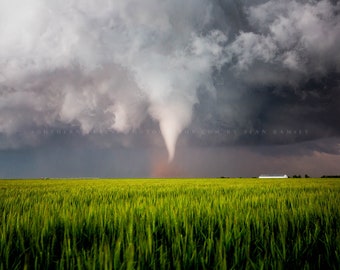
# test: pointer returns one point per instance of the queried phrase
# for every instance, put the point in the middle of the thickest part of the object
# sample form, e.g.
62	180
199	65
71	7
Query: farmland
170	224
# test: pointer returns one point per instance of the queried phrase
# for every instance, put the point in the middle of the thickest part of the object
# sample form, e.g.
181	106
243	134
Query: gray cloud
299	37
281	70
105	65
126	66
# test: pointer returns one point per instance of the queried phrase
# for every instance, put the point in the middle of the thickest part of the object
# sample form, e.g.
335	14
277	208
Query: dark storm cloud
282	72
224	72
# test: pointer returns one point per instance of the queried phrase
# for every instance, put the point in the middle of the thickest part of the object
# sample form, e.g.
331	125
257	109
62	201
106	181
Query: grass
170	224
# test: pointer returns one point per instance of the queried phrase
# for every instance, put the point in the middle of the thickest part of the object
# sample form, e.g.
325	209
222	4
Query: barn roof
273	176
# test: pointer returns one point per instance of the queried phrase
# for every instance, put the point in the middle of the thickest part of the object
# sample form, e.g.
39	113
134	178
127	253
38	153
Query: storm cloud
212	74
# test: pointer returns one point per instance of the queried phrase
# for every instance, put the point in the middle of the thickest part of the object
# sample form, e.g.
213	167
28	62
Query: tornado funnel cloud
172	118
170	131
105	66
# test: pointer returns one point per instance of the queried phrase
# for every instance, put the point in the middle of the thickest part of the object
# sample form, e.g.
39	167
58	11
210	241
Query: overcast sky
196	88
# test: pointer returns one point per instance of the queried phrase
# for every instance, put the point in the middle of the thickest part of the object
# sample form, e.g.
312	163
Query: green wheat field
170	224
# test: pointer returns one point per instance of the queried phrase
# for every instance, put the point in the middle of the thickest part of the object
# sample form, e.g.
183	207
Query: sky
200	88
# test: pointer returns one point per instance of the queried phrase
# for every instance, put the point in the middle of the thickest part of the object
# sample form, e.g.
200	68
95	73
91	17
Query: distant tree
296	176
306	176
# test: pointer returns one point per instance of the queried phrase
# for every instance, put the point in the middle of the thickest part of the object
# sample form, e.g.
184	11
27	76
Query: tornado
105	65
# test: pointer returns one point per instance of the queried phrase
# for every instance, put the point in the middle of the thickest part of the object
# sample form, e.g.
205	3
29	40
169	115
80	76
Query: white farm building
273	176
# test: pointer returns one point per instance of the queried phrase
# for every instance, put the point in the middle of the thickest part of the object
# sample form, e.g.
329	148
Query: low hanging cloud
112	65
